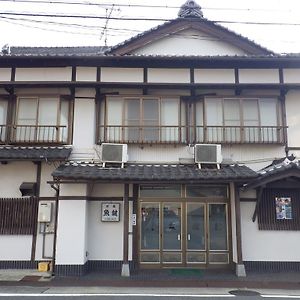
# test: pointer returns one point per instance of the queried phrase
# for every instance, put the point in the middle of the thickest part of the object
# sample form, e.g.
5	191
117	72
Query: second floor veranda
192	134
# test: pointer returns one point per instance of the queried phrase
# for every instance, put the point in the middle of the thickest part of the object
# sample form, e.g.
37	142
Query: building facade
171	149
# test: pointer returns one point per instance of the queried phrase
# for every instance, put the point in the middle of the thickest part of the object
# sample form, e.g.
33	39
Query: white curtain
170	120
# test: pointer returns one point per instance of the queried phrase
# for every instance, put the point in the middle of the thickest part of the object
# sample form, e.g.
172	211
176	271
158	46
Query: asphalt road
115	293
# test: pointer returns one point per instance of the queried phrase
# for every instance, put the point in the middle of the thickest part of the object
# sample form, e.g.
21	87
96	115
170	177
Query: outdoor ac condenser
207	154
114	153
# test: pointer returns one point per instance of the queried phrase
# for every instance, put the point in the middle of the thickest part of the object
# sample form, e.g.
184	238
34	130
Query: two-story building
169	150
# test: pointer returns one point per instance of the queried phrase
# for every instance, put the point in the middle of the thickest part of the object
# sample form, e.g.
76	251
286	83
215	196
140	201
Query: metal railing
192	134
38	134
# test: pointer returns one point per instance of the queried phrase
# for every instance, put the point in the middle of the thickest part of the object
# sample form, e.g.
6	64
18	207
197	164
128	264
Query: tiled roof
204	20
156	173
34	153
278	167
56	51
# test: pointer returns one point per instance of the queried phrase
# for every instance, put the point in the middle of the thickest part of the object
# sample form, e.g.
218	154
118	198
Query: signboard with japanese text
110	212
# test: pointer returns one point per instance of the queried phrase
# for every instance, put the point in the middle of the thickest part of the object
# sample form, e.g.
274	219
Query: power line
85	3
141	19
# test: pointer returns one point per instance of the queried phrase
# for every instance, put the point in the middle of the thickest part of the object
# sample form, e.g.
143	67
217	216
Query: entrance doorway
183	234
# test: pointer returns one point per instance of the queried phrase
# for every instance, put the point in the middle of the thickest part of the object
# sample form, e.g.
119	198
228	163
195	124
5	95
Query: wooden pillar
240	267
135	245
125	266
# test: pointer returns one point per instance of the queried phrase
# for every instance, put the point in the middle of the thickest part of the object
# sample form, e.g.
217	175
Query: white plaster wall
15	247
13	174
5	74
43	74
267	245
293	117
169	75
86	74
214	76
71	232
291	75
73	189
255	156
122	74
84	129
248	194
45	189
108	190
105	239
258	75
189	42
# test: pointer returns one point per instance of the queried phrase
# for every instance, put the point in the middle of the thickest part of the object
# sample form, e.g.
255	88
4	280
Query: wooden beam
259	197
135	238
238	225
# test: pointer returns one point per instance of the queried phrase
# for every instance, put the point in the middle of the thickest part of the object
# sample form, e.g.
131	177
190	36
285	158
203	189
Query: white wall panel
255	156
169	75
15	247
108	190
189	42
44	74
122	74
258	75
267	245
46	190
13	174
84	129
293	119
5	74
86	74
73	189
214	76
105	239
71	245
291	75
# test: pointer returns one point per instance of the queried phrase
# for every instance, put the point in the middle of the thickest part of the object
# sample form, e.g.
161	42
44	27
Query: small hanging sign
110	212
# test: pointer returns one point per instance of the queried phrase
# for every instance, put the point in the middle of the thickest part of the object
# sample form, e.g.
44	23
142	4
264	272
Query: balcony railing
34	134
193	134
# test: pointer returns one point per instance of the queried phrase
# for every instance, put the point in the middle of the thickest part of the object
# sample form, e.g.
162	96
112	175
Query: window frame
60	99
141	98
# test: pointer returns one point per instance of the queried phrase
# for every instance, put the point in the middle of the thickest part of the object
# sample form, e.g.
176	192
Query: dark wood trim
98	76
125	224
281	79
248	199
38	188
192	75
139	85
135	246
238	225
282	99
145	80
89	198
259	197
73	76
13	74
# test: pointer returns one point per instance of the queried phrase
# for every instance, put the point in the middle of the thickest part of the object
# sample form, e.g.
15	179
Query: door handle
189	237
178	237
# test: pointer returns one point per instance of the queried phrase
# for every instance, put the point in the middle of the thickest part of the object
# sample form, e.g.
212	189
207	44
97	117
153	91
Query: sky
20	30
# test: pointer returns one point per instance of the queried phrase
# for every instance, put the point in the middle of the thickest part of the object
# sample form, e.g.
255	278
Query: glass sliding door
218	233
150	233
172	235
196	236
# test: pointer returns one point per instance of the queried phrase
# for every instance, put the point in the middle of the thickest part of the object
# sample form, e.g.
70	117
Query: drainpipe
56	188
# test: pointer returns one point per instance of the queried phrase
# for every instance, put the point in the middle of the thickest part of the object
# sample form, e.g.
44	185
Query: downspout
56	188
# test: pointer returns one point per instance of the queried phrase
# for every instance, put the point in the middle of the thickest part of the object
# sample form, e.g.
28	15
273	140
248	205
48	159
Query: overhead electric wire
51	15
85	3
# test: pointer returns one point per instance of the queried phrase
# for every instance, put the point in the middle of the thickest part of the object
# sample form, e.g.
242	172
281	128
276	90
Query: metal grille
18	216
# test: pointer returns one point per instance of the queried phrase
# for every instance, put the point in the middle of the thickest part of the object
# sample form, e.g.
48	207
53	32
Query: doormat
187	272
31	278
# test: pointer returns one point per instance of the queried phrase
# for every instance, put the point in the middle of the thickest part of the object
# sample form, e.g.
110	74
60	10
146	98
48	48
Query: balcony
192	134
33	134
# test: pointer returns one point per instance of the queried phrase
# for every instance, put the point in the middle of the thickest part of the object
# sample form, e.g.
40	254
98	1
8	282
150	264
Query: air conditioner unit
114	153
207	154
